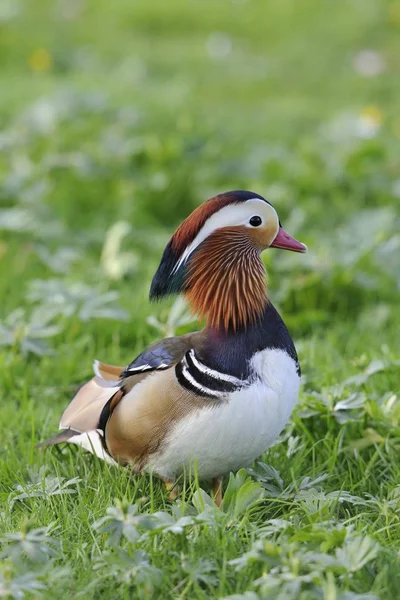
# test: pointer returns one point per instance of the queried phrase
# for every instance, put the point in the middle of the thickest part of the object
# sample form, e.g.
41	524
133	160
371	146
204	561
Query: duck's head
214	258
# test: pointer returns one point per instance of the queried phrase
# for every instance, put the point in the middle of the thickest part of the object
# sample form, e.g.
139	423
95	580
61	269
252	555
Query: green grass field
116	120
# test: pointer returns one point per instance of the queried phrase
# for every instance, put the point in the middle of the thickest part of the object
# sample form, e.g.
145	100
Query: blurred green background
138	111
116	120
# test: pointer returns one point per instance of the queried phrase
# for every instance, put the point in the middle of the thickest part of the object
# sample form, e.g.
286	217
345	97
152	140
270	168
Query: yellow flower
394	13
372	114
40	60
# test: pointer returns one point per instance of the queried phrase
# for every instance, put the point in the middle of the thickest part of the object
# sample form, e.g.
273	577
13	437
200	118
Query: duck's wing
90	408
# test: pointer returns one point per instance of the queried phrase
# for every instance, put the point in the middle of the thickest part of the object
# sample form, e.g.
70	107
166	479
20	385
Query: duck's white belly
226	437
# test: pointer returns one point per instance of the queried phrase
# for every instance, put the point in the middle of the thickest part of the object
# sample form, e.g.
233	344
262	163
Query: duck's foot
172	489
216	490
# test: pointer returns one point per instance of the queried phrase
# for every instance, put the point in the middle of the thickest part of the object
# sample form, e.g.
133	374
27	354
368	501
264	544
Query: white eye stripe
233	214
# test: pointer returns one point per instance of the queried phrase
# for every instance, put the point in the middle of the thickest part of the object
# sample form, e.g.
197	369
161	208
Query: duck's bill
286	242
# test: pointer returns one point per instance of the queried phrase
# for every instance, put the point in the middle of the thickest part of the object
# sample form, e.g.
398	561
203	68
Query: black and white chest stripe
195	376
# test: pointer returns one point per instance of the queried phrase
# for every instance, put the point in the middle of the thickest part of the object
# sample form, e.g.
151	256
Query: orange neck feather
226	280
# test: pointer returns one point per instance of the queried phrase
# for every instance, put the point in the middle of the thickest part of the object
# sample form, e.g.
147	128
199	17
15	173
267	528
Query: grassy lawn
116	120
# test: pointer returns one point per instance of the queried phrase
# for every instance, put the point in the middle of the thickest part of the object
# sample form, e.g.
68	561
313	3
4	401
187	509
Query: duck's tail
80	420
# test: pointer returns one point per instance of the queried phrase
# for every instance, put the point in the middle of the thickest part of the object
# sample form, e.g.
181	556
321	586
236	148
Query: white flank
231	435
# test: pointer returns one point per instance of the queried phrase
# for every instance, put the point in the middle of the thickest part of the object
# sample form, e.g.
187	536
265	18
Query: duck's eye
255	221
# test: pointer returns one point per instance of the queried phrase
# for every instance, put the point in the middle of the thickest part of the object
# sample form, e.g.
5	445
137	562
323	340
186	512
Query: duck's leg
172	489
216	490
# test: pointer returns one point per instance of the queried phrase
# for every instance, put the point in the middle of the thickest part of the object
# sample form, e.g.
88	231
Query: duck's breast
229	435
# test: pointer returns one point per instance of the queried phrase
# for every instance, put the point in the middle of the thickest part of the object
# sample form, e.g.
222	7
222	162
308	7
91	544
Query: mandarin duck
216	398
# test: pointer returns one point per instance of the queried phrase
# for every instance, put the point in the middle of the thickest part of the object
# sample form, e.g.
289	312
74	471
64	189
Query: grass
135	113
